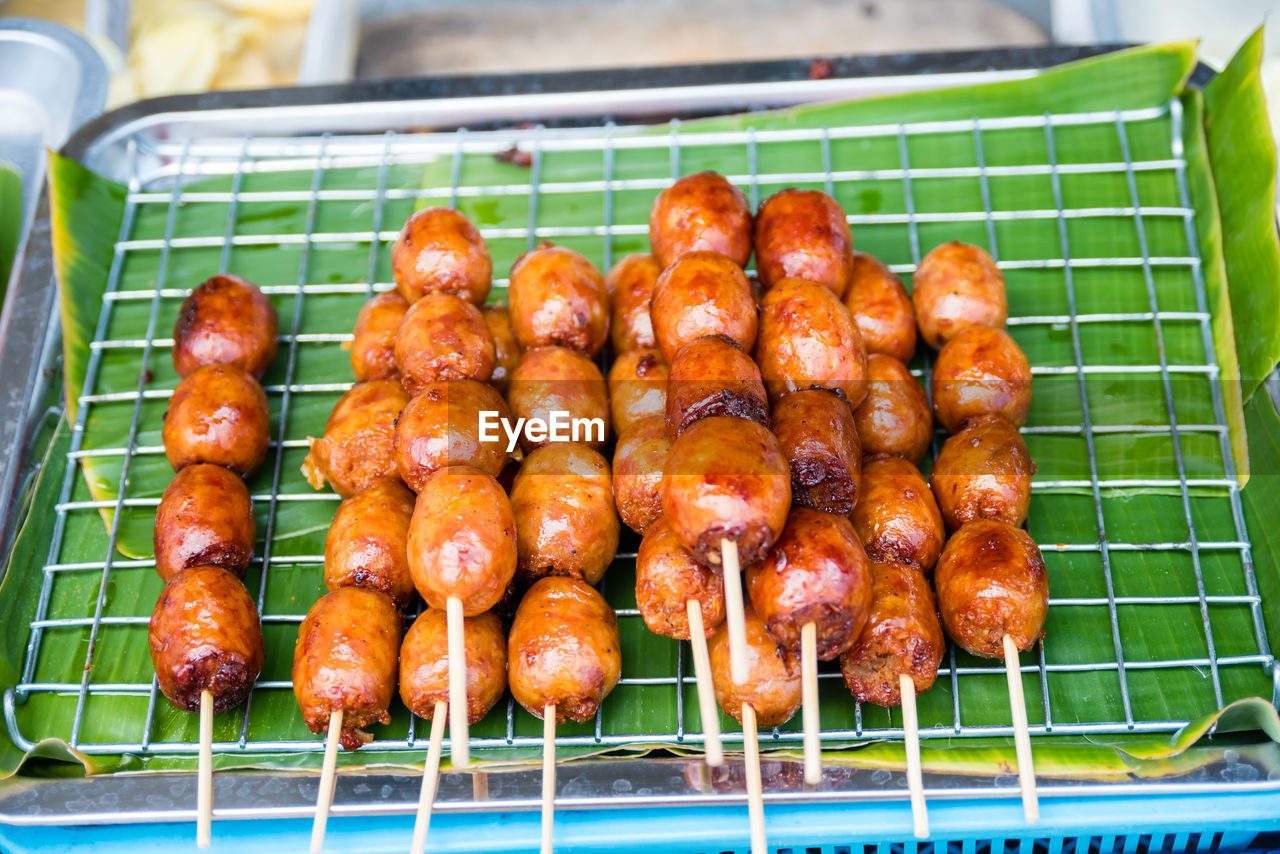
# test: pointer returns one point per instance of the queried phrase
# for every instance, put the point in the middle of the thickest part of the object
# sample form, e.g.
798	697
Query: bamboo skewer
548	774
1021	737
809	703
459	744
713	751
915	778
430	780
324	798
755	793
204	774
735	612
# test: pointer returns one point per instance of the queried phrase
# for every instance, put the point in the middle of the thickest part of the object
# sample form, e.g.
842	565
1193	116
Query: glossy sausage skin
462	540
881	308
897	518
667	577
552	380
630	284
373	341
698	213
637	387
703	293
217	415
991	581
712	376
726	478
894	417
205	518
357	448
803	234
205	635
442	427
443	337
564	649
507	349
440	251
773	686
565	516
346	659
638	461
424	664
808	340
225	321
956	286
365	546
558	299
902	637
981	371
983	472
818	437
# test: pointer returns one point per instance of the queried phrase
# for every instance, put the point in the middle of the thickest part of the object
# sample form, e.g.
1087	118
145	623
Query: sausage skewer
430	780
328	773
755	789
713	751
915	776
548	776
204	773
1021	735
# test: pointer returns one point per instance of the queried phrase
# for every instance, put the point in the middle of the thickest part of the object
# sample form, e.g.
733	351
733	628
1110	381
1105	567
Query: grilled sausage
902	637
667	577
424	663
637	387
357	449
881	308
565	516
440	251
638	461
991	582
225	321
816	431
558	298
894	417
218	415
803	234
983	472
373	342
551	380
630	284
365	546
897	518
442	426
702	293
956	286
817	573
563	648
726	479
808	340
712	376
700	213
205	635
773	686
507	349
345	659
205	518
981	371
443	337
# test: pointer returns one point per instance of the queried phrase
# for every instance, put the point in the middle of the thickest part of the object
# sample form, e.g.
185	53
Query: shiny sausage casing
205	635
700	213
507	349
803	234
440	251
818	438
638	461
630	284
894	417
559	380
773	686
205	518
713	376
881	308
373	341
957	286
667	577
563	648
703	293
357	448
441	427
443	337
558	299
424	663
225	321
365	546
897	518
981	371
983	472
637	387
217	415
808	340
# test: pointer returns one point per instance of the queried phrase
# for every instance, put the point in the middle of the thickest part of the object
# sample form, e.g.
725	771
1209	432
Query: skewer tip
204	774
1021	733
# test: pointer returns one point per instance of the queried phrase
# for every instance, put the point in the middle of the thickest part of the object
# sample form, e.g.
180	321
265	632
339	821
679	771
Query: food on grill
638	461
637	387
667	577
565	516
702	212
894	417
991	581
424	664
365	546
983	472
881	308
957	286
808	340
551	380
630	284
816	431
218	415
443	337
563	649
703	293
205	636
205	518
357	449
726	479
896	517
346	660
462	540
902	637
981	371
803	234
507	349
225	321
773	686
440	251
558	298
373	342
712	376
816	573
442	427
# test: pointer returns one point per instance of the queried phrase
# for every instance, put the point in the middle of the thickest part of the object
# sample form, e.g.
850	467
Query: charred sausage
897	518
894	417
218	415
506	348
667	577
357	448
703	293
558	299
443	337
712	376
638	461
983	472
440	251
956	286
881	308
773	685
818	437
637	387
803	234
551	380
808	340
701	212
225	321
373	342
424	663
442	426
630	284
365	546
205	518
981	371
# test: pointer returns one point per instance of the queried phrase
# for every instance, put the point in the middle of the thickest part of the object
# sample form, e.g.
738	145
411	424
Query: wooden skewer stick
915	777
324	798
1021	737
204	774
459	744
714	753
809	703
430	779
755	793
735	613
548	774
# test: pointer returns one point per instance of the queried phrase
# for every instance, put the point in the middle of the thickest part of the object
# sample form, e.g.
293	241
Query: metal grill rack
162	173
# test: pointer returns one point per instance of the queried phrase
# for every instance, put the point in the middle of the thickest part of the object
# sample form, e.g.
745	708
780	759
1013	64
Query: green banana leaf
10	220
